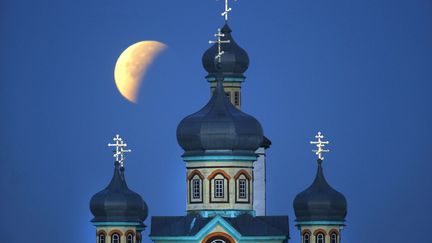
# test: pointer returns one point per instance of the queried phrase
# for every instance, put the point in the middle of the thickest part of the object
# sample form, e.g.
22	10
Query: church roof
246	225
320	201
234	61
219	128
117	203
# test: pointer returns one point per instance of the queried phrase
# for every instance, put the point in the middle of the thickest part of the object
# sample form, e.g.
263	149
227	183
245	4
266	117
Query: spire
227	10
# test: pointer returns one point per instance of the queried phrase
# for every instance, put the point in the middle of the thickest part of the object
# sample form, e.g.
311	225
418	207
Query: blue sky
359	71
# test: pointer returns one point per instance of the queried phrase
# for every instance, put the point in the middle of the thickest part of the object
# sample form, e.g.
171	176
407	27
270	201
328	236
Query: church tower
220	143
231	61
118	212
320	210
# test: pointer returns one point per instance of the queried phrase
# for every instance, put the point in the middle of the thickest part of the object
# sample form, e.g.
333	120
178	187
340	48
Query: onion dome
234	61
219	128
117	203
320	202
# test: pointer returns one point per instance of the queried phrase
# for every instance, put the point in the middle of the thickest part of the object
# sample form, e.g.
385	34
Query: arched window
101	238
115	238
219	184
333	238
320	238
195	187
242	180
129	238
306	238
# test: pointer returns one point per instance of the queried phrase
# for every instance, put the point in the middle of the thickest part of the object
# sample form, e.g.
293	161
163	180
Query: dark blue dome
117	203
234	61
320	202
219	128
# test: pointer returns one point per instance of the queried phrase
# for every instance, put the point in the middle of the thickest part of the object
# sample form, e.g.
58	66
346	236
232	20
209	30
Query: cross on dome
219	41
320	145
120	149
227	10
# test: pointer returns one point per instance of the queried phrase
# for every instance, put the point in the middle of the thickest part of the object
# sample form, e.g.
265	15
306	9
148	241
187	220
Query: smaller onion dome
219	128
234	61
320	202
117	203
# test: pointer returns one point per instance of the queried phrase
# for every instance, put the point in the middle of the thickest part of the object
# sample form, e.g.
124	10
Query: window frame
318	240
115	240
219	174
131	236
195	175
100	236
306	235
333	238
219	188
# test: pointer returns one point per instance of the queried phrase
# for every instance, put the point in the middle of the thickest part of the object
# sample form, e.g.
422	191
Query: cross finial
227	10
219	41
120	149
320	146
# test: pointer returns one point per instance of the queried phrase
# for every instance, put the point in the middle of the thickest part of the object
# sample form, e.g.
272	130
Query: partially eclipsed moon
132	66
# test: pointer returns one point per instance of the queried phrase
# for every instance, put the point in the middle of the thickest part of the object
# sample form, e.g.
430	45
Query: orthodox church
225	157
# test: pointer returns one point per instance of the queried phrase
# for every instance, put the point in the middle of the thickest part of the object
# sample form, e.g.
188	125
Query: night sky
359	71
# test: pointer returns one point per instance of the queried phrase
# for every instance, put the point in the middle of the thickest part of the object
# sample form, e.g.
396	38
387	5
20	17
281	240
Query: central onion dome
117	203
233	63
219	128
320	202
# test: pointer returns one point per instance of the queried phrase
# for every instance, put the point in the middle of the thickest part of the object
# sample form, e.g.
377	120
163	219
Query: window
115	238
228	94
242	188
129	238
320	238
196	188
237	98
306	238
333	238
101	238
219	188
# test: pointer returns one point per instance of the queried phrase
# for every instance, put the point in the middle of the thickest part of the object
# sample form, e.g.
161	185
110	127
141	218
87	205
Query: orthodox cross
219	41
320	146
120	149
227	10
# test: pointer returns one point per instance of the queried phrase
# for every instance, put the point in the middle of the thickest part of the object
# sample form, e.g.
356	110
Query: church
225	159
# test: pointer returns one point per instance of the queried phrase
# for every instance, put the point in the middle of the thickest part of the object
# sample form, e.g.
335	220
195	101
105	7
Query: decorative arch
219	171
306	231
333	231
194	173
101	232
322	231
218	235
242	172
115	231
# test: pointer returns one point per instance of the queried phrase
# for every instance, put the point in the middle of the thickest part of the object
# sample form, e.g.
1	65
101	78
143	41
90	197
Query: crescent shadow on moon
132	65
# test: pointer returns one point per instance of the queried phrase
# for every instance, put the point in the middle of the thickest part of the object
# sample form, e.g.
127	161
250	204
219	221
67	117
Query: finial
227	10
320	145
119	152
219	41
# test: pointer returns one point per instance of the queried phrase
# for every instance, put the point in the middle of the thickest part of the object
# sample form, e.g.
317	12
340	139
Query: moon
132	65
